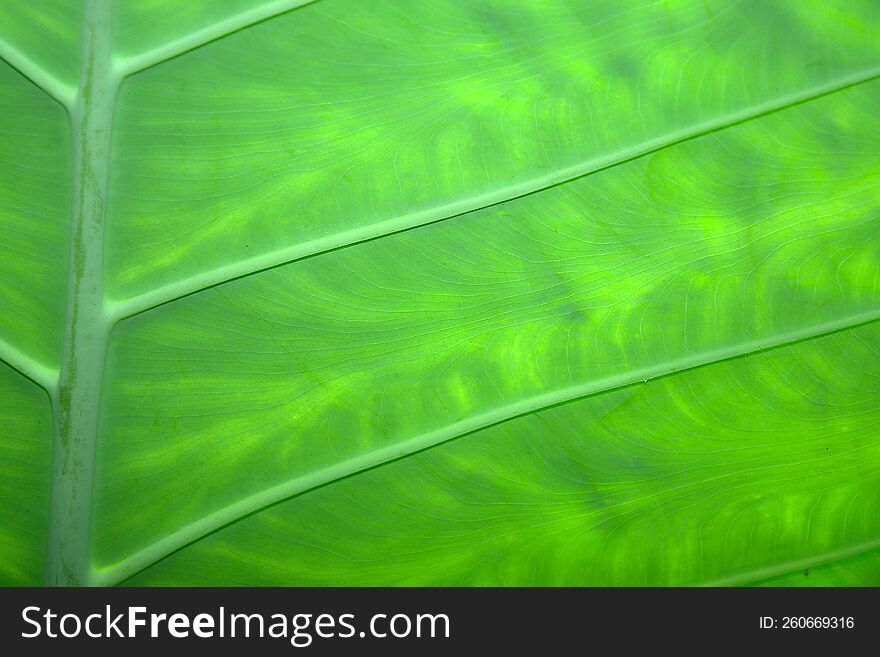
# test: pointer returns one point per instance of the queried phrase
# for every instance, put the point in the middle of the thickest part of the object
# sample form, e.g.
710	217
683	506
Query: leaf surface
444	293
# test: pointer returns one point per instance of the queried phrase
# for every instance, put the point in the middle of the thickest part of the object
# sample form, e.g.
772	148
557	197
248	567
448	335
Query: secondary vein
121	309
41	374
788	567
376	458
55	88
130	65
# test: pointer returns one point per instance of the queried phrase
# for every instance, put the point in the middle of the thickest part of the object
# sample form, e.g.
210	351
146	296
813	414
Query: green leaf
440	292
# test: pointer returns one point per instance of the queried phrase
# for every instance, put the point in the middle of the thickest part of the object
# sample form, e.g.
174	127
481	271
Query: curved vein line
52	86
126	66
754	576
121	309
353	466
41	374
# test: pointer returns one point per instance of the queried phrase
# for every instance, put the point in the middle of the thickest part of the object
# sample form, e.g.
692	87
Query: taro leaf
440	292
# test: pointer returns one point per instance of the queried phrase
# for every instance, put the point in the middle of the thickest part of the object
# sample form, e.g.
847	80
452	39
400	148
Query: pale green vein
300	484
41	374
120	309
55	88
75	407
788	567
129	65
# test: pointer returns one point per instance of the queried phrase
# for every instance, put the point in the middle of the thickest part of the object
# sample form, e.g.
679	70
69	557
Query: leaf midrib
114	311
75	399
56	88
117	310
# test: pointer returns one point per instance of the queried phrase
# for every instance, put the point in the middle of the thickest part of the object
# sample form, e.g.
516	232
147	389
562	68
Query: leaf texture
459	293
